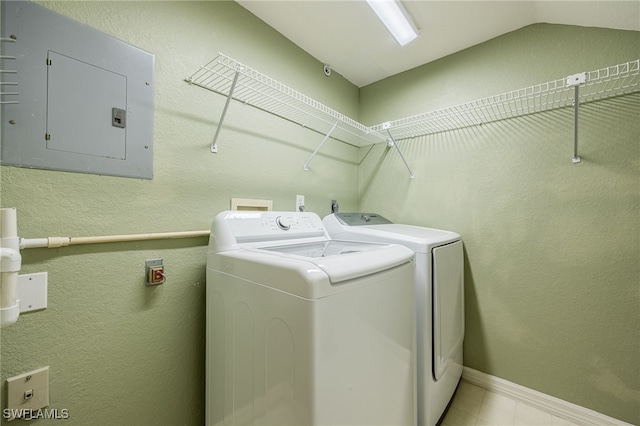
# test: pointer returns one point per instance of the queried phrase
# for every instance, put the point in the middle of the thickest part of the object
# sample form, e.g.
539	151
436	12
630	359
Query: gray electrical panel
83	100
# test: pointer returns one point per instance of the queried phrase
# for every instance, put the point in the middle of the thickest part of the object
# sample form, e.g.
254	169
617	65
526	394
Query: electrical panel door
85	99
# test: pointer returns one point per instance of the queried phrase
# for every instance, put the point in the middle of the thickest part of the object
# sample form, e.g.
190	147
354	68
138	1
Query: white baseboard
557	407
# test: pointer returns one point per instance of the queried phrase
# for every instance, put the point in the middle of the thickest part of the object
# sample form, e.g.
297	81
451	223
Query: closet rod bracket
577	79
390	141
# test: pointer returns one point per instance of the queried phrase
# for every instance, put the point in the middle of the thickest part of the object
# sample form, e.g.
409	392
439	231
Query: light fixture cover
395	18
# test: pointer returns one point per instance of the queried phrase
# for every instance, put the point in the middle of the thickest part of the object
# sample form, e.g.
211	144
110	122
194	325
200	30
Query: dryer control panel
355	219
233	227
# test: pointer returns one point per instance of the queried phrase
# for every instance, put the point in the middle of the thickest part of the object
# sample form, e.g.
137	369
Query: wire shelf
234	80
262	92
595	85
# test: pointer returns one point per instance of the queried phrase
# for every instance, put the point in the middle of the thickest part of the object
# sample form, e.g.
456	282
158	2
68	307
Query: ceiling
347	35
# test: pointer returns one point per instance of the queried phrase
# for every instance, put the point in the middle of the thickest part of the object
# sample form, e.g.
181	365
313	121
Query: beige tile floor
475	406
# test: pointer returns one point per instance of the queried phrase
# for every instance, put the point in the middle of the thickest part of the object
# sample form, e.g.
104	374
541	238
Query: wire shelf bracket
392	143
306	165
214	143
576	80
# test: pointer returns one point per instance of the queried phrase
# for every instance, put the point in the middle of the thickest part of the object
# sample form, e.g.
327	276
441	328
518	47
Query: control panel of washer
263	226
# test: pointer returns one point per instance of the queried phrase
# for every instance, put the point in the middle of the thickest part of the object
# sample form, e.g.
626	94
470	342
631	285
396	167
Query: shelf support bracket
576	157
576	80
214	143
392	142
306	165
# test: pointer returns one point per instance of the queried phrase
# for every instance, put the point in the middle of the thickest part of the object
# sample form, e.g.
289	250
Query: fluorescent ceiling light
395	18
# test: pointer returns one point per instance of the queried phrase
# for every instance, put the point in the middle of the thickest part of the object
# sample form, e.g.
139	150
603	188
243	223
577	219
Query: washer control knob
282	223
366	218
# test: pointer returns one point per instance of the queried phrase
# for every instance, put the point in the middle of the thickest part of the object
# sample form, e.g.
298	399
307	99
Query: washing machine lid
342	260
320	249
355	227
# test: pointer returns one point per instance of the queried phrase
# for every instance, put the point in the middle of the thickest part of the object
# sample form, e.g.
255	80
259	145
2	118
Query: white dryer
439	301
305	330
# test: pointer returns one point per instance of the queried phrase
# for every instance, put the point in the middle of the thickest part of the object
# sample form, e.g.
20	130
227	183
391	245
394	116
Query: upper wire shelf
595	85
234	80
229	77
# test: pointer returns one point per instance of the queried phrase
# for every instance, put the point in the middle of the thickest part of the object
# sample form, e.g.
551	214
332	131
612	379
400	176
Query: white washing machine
439	301
305	330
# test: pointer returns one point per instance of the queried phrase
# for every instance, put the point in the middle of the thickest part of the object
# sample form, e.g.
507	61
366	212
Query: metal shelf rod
214	145
576	157
306	165
393	142
576	80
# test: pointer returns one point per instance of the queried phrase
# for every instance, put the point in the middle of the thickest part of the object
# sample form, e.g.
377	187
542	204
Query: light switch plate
28	391
32	291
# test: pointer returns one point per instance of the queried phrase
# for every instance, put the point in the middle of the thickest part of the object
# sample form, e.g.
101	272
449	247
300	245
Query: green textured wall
121	353
552	249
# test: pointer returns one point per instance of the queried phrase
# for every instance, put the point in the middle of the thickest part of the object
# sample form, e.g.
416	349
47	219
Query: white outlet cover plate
36	381
32	291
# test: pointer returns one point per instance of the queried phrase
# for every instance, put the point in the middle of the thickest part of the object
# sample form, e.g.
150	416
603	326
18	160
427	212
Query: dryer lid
417	238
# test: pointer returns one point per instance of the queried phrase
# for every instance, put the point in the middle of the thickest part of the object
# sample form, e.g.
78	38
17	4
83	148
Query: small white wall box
84	99
251	204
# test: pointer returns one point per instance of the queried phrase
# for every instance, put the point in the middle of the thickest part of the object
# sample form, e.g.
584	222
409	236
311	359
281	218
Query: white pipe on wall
54	242
11	261
10	264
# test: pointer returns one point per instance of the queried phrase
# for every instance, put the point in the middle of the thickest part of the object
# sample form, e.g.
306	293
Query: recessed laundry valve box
85	99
